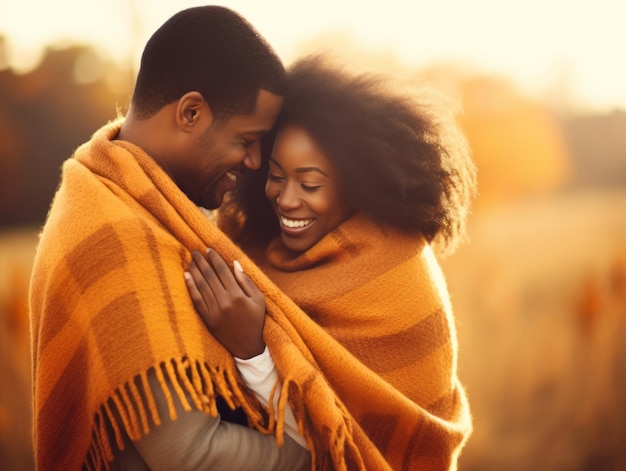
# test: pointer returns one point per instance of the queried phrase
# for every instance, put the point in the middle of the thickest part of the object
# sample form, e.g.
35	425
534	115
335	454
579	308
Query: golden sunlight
543	45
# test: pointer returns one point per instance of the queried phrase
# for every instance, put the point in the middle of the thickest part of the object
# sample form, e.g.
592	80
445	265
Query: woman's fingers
201	294
230	304
222	271
208	272
217	285
247	285
234	283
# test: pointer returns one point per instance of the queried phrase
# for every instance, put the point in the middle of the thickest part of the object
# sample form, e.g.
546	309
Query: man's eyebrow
254	134
300	169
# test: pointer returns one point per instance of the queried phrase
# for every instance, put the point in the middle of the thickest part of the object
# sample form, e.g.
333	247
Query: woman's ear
192	109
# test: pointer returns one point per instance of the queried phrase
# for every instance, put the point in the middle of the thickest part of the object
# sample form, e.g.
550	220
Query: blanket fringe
280	416
131	408
272	414
340	445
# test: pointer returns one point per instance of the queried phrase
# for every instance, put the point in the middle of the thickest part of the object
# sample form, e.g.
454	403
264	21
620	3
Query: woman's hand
231	306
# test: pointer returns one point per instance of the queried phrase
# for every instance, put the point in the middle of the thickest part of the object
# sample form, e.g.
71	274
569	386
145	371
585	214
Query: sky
539	44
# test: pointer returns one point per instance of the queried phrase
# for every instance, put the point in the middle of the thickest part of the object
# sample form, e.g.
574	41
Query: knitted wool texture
108	304
381	330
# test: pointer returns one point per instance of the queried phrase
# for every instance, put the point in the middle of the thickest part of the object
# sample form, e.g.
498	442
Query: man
124	373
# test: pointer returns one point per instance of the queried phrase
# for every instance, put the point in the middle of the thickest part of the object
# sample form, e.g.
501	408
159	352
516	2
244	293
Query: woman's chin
296	244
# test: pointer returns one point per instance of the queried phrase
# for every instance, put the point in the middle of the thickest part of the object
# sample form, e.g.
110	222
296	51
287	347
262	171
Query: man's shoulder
96	235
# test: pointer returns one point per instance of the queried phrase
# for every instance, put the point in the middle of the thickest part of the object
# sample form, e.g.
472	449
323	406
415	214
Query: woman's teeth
232	176
294	223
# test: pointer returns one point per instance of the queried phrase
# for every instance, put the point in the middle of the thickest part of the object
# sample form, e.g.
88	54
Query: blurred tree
44	115
519	145
523	147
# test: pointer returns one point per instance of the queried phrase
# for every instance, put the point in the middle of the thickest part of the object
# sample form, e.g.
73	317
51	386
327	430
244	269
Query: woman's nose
288	198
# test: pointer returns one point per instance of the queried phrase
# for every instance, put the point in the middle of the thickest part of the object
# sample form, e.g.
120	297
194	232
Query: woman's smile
294	223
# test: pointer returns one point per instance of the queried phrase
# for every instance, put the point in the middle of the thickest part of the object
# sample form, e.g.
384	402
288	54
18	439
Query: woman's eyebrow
301	169
275	162
311	169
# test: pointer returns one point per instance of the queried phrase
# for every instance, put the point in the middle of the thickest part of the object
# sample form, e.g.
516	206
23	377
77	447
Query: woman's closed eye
275	177
310	187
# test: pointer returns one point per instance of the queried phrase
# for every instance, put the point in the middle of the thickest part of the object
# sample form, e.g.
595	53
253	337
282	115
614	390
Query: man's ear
191	109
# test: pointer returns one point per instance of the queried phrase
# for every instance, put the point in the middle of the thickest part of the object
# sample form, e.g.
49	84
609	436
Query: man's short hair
211	50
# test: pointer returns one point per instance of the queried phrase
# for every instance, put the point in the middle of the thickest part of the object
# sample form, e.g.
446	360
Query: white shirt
259	374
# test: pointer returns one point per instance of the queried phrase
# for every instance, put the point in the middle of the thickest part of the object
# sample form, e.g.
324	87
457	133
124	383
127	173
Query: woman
364	185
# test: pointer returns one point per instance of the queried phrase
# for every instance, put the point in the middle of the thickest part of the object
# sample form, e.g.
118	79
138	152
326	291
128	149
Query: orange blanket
109	303
382	332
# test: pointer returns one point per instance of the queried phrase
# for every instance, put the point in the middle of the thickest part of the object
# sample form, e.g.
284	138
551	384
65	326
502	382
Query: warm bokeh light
518	144
571	50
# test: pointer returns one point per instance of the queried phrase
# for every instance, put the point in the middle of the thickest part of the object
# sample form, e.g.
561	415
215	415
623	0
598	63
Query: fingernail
238	266
187	275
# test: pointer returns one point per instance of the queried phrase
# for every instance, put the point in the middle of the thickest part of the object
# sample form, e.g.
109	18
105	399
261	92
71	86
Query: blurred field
540	299
16	255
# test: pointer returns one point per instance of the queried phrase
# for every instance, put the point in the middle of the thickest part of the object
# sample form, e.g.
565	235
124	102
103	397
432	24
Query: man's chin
210	206
213	201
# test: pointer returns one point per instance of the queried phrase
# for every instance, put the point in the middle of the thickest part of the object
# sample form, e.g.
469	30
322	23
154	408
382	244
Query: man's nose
253	158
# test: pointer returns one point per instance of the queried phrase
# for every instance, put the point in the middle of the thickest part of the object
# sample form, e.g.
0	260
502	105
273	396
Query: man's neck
144	133
152	135
129	128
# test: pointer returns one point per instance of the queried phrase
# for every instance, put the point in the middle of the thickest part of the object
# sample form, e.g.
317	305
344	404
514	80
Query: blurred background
540	289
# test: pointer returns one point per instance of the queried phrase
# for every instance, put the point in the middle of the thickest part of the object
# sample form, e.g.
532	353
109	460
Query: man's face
216	155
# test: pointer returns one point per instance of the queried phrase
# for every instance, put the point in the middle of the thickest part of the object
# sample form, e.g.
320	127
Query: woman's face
304	189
